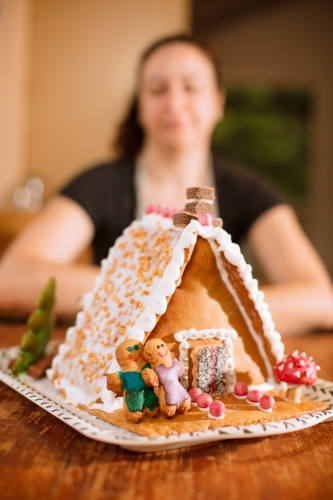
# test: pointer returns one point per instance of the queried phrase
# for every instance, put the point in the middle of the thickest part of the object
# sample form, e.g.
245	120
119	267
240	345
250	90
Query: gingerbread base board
238	413
43	394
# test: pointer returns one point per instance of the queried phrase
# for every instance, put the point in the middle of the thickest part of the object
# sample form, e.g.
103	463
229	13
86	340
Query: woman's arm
300	296
49	247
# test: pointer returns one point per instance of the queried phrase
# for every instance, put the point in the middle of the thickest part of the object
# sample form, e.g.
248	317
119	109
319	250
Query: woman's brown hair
130	135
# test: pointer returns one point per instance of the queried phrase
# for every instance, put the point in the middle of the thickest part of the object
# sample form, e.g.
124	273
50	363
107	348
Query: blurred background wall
72	64
67	69
287	44
15	58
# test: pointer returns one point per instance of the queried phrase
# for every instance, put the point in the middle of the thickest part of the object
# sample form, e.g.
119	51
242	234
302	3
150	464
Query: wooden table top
43	458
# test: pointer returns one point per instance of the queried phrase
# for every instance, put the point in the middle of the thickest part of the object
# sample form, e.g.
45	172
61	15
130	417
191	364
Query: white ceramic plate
42	393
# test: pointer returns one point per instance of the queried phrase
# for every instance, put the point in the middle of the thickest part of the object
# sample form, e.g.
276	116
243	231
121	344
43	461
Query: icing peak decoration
172	395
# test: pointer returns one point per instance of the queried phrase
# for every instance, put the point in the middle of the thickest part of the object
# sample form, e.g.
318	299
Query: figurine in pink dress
172	395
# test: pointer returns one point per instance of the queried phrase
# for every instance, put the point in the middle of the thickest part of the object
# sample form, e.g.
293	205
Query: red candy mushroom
296	370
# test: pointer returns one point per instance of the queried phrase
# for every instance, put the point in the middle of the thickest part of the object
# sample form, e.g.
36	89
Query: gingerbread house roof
136	282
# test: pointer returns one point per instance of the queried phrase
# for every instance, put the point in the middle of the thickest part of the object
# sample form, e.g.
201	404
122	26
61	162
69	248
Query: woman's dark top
107	194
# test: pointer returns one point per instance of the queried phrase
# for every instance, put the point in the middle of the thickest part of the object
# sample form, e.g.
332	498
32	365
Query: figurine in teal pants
135	380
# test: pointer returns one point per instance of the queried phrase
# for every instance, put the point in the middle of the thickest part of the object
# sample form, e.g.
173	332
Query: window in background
268	130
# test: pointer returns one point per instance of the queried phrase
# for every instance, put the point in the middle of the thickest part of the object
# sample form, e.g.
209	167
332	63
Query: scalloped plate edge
39	392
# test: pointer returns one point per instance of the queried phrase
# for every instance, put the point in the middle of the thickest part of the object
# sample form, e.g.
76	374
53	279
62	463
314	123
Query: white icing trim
166	287
253	289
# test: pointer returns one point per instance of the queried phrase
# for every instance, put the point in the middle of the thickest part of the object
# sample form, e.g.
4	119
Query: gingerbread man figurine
172	395
135	380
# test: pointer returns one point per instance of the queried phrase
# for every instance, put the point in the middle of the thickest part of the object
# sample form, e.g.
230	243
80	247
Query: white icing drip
87	348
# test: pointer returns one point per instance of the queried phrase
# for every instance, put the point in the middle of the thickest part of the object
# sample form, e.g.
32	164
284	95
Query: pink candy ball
240	389
217	409
194	393
150	209
165	211
266	402
204	401
174	211
159	207
253	396
205	219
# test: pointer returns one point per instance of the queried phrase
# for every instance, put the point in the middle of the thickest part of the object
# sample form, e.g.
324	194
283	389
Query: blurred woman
164	145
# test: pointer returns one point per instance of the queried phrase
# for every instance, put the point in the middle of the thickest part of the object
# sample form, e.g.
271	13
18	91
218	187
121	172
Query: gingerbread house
180	279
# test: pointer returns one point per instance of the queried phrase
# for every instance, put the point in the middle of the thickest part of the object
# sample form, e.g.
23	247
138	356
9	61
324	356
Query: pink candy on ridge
165	211
150	209
174	211
205	219
161	209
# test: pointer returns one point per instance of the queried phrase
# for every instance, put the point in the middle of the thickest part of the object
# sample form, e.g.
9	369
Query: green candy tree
40	325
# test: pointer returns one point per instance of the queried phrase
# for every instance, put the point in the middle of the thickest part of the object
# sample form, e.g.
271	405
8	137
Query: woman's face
179	101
